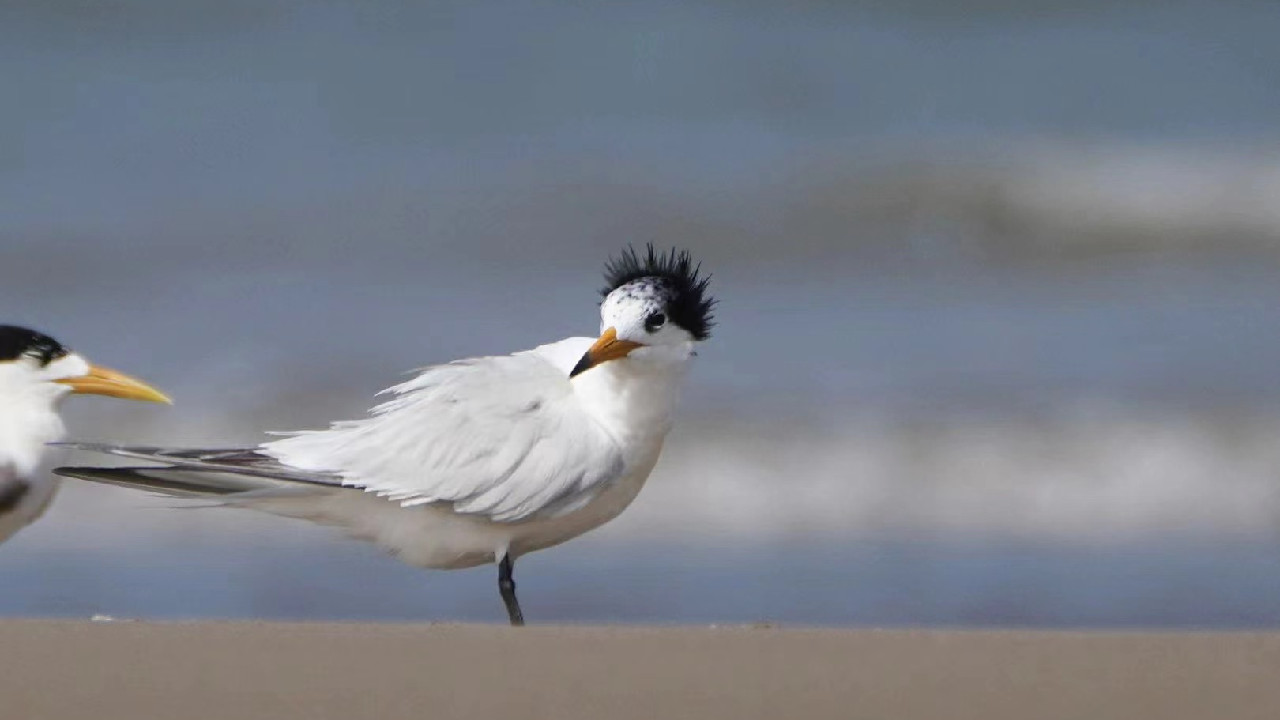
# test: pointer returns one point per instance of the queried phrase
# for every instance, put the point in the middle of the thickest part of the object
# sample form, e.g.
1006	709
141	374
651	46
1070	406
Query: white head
655	308
36	374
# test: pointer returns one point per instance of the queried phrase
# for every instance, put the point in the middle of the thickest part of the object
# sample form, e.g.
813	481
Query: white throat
28	420
634	398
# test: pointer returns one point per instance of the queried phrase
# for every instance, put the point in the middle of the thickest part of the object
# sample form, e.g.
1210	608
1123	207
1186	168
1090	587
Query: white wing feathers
503	437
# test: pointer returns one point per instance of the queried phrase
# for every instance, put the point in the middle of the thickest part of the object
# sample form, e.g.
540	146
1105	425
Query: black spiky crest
18	341
688	304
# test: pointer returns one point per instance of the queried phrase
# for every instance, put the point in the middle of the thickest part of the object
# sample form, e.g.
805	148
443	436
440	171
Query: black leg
507	586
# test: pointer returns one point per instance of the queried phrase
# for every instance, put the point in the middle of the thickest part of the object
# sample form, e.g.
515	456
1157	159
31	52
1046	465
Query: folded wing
504	438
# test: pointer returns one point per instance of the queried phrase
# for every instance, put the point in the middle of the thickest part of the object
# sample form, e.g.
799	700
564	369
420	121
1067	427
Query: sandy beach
55	670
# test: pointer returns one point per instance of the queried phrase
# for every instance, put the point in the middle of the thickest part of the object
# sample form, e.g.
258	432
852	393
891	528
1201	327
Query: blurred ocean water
997	287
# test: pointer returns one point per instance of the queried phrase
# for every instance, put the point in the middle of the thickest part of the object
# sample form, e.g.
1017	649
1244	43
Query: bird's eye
655	321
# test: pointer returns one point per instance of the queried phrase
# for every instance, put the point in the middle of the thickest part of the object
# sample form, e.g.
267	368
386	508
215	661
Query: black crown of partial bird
18	341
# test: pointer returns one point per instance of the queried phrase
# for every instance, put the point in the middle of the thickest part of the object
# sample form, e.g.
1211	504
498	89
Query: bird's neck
634	399
28	420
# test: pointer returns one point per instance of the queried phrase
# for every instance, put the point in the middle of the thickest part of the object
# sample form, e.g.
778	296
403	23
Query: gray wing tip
89	472
107	448
139	478
75	445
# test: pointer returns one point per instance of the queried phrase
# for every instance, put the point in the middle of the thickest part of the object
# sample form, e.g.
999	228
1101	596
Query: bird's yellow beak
607	348
103	381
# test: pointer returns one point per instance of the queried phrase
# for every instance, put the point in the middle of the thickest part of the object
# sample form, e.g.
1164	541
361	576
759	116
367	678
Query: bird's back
502	437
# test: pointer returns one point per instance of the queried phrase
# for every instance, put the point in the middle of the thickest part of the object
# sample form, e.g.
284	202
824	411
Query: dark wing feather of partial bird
12	488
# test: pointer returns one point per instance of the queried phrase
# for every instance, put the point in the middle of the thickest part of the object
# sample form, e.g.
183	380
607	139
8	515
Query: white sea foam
1047	200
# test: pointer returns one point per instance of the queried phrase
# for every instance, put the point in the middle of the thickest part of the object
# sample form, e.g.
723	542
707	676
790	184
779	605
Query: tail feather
246	462
170	482
410	536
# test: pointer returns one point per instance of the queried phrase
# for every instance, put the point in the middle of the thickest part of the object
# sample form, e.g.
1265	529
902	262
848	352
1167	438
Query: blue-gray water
873	583
998	290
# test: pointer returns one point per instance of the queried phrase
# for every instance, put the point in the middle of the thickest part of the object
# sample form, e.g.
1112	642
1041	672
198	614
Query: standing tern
36	374
484	459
